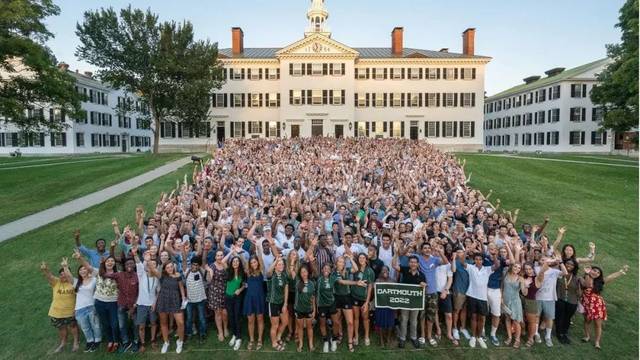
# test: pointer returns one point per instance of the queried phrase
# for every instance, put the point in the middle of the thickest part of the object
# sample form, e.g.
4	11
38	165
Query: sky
523	37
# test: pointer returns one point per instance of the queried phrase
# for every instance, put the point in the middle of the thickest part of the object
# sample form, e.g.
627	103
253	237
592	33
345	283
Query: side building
550	114
104	129
318	86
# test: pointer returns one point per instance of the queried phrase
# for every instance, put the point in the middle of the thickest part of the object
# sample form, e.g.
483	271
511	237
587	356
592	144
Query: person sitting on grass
61	311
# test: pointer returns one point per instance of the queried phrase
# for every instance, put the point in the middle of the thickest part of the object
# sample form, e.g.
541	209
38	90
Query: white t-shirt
355	250
478	281
267	260
386	256
147	287
442	273
547	291
84	296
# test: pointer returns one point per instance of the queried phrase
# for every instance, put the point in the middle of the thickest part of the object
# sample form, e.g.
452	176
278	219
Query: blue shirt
460	279
495	279
428	268
93	256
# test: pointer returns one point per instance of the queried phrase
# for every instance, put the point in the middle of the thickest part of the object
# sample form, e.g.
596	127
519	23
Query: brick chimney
237	41
396	41
63	66
88	74
468	41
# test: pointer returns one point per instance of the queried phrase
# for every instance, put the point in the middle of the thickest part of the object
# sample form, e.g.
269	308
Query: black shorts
327	311
275	310
303	315
344	302
357	302
445	305
476	306
291	299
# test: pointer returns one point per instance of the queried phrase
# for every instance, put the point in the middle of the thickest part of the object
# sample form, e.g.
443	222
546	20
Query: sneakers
433	342
415	343
456	334
401	344
367	342
482	343
466	334
88	347
537	338
325	347
421	340
165	348
472	342
179	344
495	341
236	347
334	346
548	342
126	347
233	340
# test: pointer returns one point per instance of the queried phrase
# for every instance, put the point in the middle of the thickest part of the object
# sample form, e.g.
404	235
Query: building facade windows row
576	114
415	100
251	73
575	138
414	73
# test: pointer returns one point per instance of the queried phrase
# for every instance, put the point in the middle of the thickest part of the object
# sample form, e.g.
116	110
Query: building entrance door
220	133
316	127
124	144
339	133
295	131
413	133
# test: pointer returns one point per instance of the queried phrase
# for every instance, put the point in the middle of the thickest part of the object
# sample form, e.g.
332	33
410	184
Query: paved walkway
58	212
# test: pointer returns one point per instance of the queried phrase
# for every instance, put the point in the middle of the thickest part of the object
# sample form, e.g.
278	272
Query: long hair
573	257
231	272
300	281
257	271
103	268
80	279
598	283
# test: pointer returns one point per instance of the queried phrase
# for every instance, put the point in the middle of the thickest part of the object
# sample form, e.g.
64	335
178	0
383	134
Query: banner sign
399	296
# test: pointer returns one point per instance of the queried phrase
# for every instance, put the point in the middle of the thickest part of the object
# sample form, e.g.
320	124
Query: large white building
318	86
550	114
104	129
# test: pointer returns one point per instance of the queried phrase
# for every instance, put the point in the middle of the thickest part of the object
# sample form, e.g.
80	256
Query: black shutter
385	99
384	126
278	129
473	99
331	69
366	96
309	97
260	73
437	129
420	73
355	128
249	73
355	99
343	94
573	90
278	99
173	129
584	114
373	127
325	95
368	73
604	138
260	97
366	126
343	68
402	73
390	128
242	73
304	69
278	73
444	73
461	73
64	138
438	99
373	73
402	129
248	99
584	90
373	99
593	137
213	100
402	99
243	130
455	129
460	124
161	130
325	69
473	73
290	97
426	99
593	114
385	73
51	137
582	138
420	99
290	69
455	99
473	128
308	69
266	128
438	73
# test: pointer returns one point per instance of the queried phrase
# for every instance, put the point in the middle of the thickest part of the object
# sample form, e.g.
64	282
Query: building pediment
317	45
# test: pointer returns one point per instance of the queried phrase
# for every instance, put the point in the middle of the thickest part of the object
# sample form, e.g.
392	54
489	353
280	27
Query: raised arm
559	237
617	274
78	256
592	254
76	237
47	274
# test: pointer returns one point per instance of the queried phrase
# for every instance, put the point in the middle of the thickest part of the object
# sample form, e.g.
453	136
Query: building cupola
317	16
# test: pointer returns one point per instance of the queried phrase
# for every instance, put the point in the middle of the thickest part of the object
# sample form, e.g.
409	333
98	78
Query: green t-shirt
359	292
304	296
339	288
233	285
325	290
277	284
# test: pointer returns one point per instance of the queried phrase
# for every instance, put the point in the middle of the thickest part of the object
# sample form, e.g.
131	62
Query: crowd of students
294	233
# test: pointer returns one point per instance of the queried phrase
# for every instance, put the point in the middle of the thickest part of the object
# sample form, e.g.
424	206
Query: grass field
32	184
596	202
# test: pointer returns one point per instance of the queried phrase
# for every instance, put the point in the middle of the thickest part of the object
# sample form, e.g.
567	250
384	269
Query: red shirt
127	288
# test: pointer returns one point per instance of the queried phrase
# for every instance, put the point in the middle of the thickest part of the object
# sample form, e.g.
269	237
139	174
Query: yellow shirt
64	300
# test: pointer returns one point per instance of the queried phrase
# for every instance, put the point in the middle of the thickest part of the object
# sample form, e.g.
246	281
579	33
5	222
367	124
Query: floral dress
215	291
594	305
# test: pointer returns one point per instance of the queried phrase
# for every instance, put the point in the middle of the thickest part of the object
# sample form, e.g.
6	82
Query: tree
29	77
617	90
156	61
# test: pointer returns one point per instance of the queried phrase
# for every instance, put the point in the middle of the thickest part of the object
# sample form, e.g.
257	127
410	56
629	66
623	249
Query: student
169	304
568	291
429	261
327	308
595	309
106	297
546	295
236	281
361	298
94	256
293	265
409	275
254	300
85	311
477	295
148	282
344	301
532	283
216	294
196	280
305	307
63	302
127	282
444	282
459	295
277	301
384	317
512	285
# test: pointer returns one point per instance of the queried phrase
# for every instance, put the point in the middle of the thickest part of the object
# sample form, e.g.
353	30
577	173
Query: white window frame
414	100
362	130
574	118
273	99
317	69
272	127
379	74
362	100
396	129
451	73
468	73
466	129
297	69
432	99
396	99
237	100
361	74
254	127
414	73
447	130
236	74
466	99
316	97
272	74
431	74
577	92
448	99
396	73
255	100
219	100
297	97
555	115
237	129
432	128
80	135
255	74
337	69
379	100
337	97
571	134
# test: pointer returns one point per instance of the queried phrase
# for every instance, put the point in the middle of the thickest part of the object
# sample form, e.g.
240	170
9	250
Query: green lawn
32	184
596	203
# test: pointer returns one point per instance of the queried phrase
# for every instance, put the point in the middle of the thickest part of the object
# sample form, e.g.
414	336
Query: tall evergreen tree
617	91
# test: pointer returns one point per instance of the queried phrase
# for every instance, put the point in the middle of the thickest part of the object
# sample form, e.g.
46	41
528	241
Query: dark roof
365	53
565	75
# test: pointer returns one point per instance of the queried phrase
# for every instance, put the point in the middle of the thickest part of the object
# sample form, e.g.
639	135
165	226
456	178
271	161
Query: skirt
594	305
253	305
384	318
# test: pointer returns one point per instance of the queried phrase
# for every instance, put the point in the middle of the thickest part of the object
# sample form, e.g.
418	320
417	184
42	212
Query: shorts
327	311
145	314
445	305
531	306
459	300
303	315
60	322
430	307
275	310
357	302
548	308
494	299
344	302
477	306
